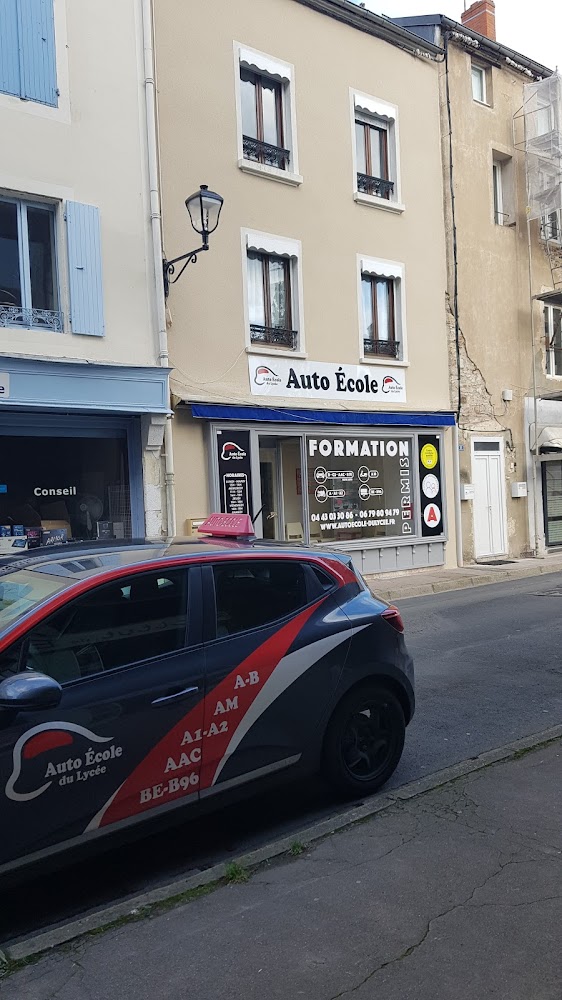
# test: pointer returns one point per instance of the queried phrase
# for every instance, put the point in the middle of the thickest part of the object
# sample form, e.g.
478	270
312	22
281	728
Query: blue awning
267	414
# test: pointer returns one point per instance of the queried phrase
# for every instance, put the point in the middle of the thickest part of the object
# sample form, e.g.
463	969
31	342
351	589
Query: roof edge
374	24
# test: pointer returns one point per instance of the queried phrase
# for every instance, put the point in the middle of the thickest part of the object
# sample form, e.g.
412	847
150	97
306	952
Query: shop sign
235	476
429	468
360	488
290	377
4	385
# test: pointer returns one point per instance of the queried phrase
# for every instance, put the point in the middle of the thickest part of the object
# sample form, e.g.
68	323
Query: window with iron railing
263	132
373	162
28	271
553	340
379	328
270	301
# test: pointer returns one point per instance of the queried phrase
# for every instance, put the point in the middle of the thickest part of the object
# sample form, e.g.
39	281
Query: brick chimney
481	17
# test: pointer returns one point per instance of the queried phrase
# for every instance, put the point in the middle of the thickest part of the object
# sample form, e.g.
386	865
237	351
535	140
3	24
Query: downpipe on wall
157	252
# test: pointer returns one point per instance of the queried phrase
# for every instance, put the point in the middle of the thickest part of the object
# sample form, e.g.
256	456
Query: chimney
481	17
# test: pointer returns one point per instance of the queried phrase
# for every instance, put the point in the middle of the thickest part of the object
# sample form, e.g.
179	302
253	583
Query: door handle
177	694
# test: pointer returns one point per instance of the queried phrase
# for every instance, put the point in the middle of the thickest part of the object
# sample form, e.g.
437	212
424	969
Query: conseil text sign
286	377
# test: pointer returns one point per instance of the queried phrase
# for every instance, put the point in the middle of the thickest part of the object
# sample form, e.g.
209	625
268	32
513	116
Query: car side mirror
29	691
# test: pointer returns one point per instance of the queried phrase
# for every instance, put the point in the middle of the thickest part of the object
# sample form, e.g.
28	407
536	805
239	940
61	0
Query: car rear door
132	676
276	644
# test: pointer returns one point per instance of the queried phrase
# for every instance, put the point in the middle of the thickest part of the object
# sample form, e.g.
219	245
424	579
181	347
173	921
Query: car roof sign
228	526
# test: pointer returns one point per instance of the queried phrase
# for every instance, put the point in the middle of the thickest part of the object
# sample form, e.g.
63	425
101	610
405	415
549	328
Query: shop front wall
378	493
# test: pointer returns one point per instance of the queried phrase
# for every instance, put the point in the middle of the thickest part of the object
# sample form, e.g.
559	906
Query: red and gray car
137	678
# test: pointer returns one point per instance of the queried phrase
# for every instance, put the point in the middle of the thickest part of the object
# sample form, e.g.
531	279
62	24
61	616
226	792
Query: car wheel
364	740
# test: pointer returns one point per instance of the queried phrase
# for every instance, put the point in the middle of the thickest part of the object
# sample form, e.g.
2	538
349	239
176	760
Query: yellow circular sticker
429	456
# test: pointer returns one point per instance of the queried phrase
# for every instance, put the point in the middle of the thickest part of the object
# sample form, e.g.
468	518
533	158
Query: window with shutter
85	269
27	50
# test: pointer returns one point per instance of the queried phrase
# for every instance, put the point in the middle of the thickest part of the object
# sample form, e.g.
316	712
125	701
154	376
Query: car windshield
23	590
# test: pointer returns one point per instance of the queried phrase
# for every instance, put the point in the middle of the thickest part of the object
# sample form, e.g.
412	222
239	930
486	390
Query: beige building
309	344
83	371
505	342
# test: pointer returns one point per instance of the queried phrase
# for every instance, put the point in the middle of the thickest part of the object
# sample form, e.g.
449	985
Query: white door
489	498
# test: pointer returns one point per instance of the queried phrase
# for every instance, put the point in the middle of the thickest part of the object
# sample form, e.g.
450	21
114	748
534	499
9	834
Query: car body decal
40	740
174	768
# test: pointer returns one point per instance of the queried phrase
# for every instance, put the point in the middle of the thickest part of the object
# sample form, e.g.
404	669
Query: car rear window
24	590
252	594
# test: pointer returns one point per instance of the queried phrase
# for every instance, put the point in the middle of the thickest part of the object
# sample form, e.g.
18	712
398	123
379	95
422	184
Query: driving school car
138	678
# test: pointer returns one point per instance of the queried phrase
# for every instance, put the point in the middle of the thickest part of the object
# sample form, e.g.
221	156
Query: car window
325	581
250	594
141	617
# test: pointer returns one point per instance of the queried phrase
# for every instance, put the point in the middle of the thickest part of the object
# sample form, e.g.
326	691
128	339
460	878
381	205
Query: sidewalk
417	583
454	893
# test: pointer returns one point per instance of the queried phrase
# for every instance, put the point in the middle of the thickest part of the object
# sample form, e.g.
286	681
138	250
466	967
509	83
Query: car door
131	672
274	653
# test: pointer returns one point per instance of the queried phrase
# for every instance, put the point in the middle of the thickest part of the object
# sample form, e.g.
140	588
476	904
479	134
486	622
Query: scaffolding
542	115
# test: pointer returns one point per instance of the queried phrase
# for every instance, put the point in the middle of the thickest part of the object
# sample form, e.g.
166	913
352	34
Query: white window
375	152
266	116
553	338
29	294
551	228
481	84
503	190
381	311
273	294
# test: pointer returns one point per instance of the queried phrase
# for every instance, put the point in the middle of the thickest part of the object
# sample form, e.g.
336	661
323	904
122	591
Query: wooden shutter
85	269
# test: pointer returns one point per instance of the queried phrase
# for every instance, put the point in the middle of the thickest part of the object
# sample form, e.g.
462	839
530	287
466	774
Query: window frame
22	205
476	68
278	72
374	280
371	111
544	223
209	592
550	351
394	271
192	633
284	248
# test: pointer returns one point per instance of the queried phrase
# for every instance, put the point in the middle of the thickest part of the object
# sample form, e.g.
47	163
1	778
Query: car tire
364	740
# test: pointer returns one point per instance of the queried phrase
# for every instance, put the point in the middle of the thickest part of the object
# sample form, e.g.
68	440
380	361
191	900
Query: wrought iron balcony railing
275	336
375	186
31	319
264	152
382	348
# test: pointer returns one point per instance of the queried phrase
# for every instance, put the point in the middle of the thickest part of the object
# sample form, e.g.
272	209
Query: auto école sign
288	377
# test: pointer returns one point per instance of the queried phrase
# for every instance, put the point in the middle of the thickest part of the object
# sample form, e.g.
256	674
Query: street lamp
204	208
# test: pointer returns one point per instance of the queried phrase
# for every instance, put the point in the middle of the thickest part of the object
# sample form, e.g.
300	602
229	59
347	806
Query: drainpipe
535	452
157	253
457	484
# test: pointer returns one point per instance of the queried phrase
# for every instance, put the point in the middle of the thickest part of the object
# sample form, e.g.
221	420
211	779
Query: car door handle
177	694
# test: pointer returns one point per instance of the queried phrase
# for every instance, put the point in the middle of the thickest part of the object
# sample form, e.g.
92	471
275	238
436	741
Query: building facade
505	346
84	392
308	346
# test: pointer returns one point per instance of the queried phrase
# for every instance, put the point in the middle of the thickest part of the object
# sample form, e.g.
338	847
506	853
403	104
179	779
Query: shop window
28	267
272	275
381	310
137	619
63	488
266	116
553	338
252	594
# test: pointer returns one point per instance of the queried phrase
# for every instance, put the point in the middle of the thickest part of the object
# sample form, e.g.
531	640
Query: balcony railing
375	186
382	348
275	336
31	319
264	152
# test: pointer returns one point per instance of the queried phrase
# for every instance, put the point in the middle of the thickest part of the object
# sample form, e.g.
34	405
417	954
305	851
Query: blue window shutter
85	269
10	82
37	51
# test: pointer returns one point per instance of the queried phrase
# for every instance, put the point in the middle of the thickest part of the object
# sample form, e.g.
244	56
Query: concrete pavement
454	893
419	583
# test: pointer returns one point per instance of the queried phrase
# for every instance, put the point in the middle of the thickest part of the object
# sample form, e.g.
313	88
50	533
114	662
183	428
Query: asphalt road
488	666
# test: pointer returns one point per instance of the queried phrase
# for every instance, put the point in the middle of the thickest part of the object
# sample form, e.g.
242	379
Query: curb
463	582
35	944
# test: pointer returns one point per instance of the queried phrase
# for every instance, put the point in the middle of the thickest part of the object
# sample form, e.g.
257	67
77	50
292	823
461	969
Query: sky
532	28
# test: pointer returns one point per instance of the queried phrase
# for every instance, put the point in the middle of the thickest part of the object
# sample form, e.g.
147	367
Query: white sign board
289	377
4	385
